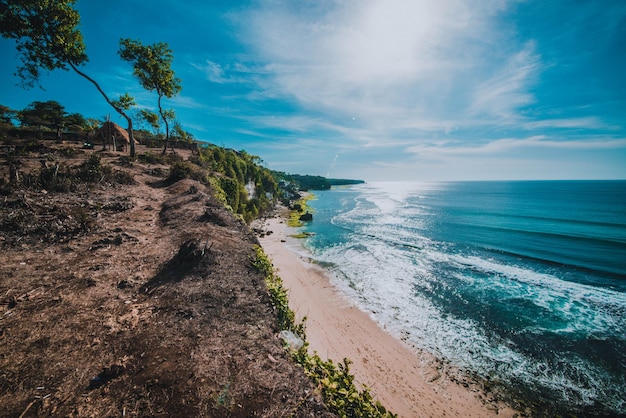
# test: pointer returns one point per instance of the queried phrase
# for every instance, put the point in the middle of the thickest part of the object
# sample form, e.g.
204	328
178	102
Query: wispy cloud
505	146
590	122
400	81
187	102
222	73
393	63
502	95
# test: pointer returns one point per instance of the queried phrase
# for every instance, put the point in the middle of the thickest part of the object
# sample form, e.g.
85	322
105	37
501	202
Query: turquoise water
523	283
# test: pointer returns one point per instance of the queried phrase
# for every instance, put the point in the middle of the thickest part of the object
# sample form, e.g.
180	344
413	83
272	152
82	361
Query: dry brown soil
135	300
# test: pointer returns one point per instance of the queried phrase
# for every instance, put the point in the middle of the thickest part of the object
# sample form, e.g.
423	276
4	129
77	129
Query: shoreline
407	381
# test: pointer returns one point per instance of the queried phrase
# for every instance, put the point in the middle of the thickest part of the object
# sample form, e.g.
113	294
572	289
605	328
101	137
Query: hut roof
116	130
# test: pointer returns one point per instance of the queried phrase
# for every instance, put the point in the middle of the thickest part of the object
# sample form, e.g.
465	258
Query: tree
152	65
49	114
181	134
7	115
75	121
151	119
47	38
91	126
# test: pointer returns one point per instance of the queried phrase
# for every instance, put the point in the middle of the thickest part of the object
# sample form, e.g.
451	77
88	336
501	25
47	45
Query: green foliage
92	168
7	115
278	295
76	121
152	65
218	192
301	235
91	126
230	187
125	102
227	172
305	182
186	170
151	118
298	208
334	380
236	170
68	151
46	34
338	388
344	182
47	37
152	158
49	114
179	133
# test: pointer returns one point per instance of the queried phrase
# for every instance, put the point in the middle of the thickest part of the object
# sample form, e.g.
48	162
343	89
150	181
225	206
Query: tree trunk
167	126
117	109
108	135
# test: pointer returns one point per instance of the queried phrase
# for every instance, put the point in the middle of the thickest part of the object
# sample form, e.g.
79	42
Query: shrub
68	151
218	192
231	191
186	170
152	158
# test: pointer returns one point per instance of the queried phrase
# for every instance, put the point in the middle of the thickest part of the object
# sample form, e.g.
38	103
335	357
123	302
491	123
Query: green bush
278	294
218	192
151	158
186	170
231	190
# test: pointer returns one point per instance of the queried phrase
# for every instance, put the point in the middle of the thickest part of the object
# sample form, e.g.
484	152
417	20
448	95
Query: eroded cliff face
135	300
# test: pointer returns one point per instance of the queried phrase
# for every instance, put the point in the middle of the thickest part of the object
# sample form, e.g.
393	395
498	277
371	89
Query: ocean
522	284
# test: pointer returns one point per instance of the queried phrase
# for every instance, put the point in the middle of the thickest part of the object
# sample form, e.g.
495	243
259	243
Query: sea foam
527	324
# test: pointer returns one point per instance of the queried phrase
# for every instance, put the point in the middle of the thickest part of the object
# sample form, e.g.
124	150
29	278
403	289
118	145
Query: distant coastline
344	182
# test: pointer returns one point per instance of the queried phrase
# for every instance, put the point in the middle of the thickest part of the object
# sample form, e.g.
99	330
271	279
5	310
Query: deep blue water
523	283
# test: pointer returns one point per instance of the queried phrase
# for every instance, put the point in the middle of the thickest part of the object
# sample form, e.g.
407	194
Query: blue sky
379	90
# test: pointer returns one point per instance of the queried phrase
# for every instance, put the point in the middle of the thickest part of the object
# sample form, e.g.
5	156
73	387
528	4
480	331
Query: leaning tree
152	65
47	38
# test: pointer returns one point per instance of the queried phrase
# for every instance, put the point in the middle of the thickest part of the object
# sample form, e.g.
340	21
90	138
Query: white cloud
416	79
502	95
388	62
507	146
214	72
589	122
187	102
229	72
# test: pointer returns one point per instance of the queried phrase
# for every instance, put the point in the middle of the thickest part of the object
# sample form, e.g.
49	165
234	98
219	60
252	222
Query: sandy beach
407	382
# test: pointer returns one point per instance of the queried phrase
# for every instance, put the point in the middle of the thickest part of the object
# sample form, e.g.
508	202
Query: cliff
127	291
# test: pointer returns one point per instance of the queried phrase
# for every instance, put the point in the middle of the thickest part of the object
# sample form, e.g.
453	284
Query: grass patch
301	235
334	380
299	208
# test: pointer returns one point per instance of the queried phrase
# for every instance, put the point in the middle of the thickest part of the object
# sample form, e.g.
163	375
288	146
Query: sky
379	90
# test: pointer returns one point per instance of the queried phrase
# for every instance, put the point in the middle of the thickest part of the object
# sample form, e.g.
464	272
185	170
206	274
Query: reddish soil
135	300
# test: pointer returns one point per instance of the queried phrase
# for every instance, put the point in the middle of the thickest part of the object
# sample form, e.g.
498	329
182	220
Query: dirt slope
135	300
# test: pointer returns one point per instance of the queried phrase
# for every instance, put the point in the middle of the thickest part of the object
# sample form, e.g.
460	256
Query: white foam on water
390	270
582	307
382	282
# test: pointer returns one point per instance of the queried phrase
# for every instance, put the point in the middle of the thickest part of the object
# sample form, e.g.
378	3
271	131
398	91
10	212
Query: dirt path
136	300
